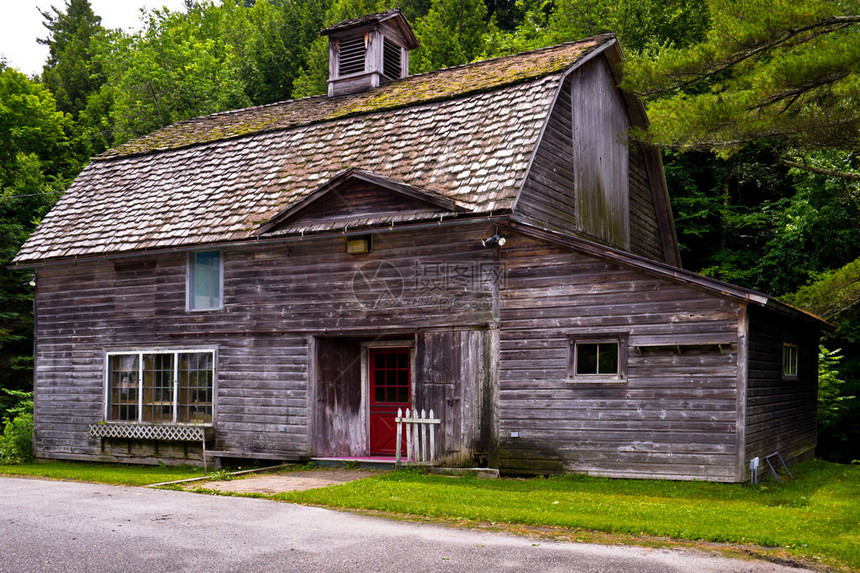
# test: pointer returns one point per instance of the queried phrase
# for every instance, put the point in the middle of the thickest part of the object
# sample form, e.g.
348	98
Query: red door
390	389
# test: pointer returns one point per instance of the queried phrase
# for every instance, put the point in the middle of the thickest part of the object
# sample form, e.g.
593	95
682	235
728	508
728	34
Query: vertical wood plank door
390	389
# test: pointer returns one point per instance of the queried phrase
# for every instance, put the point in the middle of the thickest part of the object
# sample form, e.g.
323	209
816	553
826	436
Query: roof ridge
434	86
515	55
398	80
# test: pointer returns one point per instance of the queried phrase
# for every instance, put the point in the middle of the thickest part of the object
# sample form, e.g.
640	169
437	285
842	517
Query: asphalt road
69	527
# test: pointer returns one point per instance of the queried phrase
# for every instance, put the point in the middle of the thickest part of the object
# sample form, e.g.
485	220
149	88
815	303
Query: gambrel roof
466	134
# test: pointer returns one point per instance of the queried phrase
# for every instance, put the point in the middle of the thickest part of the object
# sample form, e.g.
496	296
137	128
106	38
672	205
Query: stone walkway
287	481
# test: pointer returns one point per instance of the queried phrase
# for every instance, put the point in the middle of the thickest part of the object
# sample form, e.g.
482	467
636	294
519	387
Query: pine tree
72	71
768	69
450	34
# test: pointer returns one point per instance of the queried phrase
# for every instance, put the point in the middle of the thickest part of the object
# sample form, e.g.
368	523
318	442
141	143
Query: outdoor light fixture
358	245
493	241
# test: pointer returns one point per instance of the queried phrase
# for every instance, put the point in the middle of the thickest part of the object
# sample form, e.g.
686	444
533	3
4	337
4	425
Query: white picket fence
419	450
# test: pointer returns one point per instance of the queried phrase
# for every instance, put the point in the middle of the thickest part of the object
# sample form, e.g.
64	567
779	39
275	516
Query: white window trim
616	378
189	293
157	350
785	348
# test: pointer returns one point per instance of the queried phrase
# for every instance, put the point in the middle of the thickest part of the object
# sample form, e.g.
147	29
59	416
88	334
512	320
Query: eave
662	270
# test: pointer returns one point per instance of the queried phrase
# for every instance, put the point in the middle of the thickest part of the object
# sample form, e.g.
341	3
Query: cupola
367	52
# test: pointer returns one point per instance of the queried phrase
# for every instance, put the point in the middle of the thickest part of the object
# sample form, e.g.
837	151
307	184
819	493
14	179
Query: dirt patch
288	481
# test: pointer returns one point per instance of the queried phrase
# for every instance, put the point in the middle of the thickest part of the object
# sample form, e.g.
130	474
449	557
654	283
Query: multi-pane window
597	359
389	371
161	387
124	383
789	359
205	271
158	376
196	371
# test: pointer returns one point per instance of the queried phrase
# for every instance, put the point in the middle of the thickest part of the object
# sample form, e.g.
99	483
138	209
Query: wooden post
423	430
415	444
408	437
399	422
432	451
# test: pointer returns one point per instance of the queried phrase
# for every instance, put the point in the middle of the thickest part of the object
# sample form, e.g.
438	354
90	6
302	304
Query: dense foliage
772	87
767	69
40	155
16	441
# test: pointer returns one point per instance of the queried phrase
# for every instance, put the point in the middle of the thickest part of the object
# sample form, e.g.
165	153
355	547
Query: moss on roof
414	90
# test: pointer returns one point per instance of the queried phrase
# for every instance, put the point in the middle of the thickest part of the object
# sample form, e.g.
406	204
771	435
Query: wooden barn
481	240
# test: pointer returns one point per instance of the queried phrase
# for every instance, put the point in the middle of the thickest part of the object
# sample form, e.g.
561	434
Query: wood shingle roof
465	133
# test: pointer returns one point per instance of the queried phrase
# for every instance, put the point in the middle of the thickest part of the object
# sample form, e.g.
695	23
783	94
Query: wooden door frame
365	377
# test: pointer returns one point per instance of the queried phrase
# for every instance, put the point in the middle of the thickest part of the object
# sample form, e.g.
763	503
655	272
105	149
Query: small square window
789	359
598	360
205	278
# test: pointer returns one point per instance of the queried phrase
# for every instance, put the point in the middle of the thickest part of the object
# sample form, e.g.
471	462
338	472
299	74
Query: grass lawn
815	515
114	474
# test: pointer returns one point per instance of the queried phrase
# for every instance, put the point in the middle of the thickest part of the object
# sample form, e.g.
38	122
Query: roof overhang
394	17
349	176
662	270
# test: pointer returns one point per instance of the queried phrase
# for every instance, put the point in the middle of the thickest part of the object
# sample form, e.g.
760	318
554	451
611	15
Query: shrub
16	443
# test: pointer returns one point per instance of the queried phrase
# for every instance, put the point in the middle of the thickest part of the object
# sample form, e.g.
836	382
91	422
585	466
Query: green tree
830	400
816	229
776	69
639	24
450	34
181	65
280	46
838	413
40	155
73	70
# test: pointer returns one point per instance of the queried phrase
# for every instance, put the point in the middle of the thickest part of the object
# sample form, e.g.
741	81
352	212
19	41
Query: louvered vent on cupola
366	52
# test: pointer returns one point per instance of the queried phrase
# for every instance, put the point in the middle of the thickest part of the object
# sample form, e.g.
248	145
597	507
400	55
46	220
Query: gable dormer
357	198
367	52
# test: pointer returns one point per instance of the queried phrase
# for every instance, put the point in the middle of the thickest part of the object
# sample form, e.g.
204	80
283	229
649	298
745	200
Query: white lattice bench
164	432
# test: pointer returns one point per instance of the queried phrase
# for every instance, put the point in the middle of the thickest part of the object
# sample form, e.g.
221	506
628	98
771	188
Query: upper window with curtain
205	280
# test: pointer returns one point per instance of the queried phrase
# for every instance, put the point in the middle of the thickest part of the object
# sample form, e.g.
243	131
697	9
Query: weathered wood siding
489	362
645	237
781	412
356	201
674	417
548	195
592	148
600	163
340	426
455	377
277	299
